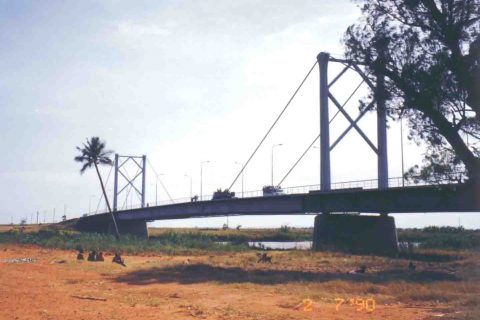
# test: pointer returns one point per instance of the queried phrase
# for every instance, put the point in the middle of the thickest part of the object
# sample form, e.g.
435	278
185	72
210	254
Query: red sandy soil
57	286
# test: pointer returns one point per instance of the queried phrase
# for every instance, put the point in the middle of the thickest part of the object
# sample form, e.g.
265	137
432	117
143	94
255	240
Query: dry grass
445	280
325	276
24	228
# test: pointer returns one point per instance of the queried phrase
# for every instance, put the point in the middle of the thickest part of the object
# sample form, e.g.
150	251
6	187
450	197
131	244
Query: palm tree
94	153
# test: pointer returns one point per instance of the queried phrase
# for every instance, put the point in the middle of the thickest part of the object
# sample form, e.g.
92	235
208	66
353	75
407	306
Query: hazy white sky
180	81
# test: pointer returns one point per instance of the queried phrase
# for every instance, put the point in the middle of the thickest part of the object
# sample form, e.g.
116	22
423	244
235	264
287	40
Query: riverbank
187	274
43	283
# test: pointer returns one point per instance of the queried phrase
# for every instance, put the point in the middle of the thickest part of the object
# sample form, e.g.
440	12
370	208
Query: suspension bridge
381	196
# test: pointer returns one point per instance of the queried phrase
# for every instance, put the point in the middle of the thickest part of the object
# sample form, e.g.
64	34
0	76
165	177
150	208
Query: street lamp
201	178
401	151
273	147
191	193
241	166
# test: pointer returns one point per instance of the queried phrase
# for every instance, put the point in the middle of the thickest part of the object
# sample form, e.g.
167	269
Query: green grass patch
240	236
442	237
171	243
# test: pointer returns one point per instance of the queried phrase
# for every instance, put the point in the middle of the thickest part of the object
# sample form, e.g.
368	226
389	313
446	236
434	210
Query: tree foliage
93	152
429	53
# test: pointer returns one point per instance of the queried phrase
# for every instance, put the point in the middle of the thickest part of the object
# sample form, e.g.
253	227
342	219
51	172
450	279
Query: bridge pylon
375	234
380	148
140	163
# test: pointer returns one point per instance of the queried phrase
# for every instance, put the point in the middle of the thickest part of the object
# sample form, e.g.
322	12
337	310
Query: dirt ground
54	285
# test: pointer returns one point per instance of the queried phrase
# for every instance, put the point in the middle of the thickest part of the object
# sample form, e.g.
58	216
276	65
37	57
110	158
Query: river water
295	245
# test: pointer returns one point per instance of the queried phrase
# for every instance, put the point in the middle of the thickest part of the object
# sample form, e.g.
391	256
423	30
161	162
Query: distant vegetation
285	233
171	243
182	240
442	237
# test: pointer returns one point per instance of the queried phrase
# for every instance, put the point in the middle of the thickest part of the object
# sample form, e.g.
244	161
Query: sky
182	82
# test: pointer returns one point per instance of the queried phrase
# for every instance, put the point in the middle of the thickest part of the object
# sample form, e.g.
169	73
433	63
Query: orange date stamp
361	304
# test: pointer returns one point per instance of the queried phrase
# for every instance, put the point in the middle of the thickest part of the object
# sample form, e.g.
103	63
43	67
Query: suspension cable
129	189
101	195
315	140
301	157
161	183
273	125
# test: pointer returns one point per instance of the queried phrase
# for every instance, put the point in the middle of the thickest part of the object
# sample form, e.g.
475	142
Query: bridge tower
326	147
376	234
120	161
136	227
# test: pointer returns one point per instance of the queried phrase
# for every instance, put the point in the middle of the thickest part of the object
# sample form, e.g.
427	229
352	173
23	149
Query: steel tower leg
144	169
322	59
382	155
115	183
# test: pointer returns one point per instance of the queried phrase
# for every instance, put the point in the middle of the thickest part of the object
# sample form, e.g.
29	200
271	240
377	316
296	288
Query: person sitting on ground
100	256
118	259
411	266
80	254
92	256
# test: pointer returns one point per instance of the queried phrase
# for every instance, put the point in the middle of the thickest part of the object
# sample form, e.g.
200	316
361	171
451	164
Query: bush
442	237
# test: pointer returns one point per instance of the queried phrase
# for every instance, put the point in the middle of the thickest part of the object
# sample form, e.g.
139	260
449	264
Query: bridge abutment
136	228
102	223
355	233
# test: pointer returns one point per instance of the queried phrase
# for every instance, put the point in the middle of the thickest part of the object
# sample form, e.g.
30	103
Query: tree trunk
117	234
445	128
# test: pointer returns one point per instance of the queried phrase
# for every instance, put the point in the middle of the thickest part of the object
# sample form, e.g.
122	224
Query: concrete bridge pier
355	233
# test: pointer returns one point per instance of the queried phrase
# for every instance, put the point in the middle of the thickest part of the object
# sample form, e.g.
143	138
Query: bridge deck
440	198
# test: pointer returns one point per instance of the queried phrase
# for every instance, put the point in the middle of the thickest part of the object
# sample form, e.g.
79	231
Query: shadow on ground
429	257
201	273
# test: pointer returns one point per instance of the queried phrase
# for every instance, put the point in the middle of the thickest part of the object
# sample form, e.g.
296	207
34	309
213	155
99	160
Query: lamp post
401	151
273	147
241	166
201	178
191	192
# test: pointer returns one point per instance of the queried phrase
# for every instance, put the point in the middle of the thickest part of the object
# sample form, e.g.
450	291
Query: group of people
93	255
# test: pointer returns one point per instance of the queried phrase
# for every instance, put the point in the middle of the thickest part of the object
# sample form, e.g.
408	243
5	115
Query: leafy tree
94	153
428	52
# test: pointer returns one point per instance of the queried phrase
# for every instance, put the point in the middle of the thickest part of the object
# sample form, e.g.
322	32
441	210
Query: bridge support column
355	233
322	59
115	184
382	154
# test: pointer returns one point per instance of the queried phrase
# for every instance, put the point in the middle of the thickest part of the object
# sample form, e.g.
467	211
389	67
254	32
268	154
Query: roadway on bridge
439	198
